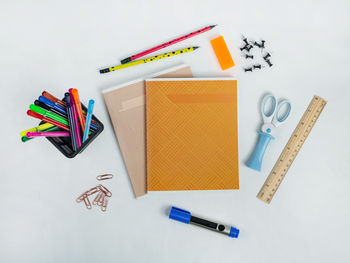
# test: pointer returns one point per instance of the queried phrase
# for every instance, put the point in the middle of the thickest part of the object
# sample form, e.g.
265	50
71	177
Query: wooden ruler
291	150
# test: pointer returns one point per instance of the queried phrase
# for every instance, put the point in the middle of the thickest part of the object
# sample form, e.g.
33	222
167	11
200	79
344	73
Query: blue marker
186	217
52	104
88	120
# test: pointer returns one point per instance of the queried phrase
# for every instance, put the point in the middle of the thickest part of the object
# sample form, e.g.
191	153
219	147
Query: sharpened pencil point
213	26
195	48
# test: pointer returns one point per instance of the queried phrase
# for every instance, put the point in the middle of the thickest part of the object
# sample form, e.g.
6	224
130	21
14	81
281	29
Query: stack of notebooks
177	132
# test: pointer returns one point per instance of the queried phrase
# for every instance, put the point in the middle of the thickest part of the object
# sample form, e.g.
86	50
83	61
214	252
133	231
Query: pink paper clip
104	204
87	202
93	190
98	196
104	189
81	197
104	177
100	201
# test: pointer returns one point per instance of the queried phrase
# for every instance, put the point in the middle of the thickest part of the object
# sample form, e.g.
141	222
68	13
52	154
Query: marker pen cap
75	94
46	101
67	97
234	232
91	105
180	215
37	109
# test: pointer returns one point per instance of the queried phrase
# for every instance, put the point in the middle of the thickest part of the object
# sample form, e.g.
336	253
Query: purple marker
71	121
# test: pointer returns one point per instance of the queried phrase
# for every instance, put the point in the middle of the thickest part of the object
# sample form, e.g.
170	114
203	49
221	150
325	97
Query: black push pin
249	48
262	45
258	66
266	56
245	40
248	69
257	44
269	63
248	56
245	47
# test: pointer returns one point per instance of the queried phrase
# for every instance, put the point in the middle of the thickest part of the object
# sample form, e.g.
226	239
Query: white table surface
57	45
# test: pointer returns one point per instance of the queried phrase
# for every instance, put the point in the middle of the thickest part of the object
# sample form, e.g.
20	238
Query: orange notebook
191	134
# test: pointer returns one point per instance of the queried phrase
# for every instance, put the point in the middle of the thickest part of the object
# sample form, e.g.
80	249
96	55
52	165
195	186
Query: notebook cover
192	141
126	108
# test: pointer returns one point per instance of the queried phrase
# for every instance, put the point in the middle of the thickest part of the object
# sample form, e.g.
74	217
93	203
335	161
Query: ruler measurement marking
291	149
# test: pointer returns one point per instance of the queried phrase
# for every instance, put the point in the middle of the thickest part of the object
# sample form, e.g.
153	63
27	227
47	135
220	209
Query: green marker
48	114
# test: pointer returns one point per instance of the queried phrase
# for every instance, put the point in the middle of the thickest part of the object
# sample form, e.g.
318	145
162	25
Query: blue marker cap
234	232
91	106
180	215
47	101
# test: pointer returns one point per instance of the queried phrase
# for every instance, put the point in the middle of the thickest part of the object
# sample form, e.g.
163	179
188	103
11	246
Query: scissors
273	115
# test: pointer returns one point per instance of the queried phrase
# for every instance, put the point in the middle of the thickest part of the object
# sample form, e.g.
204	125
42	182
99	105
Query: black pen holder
64	144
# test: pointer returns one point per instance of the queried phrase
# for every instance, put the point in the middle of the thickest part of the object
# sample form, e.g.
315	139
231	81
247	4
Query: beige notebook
126	107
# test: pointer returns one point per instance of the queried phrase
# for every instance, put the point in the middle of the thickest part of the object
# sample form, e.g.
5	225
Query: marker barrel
88	119
75	118
71	121
47	134
186	217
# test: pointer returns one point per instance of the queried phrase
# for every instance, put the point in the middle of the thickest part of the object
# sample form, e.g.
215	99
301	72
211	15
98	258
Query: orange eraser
222	52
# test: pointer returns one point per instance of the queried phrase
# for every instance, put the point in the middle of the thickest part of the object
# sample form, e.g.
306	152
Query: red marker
164	45
45	119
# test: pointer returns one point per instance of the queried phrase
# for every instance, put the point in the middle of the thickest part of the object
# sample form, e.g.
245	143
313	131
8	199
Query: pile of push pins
248	45
102	194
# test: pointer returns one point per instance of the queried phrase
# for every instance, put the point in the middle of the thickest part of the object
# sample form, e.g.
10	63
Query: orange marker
222	53
79	109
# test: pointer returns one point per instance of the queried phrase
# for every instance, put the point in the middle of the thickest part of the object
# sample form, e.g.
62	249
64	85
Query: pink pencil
172	42
47	134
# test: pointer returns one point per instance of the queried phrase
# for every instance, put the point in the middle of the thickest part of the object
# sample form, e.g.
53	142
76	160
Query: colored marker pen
54	99
24	138
75	94
40	104
88	119
42	127
71	121
75	118
45	119
47	134
48	114
48	108
186	217
52	104
63	105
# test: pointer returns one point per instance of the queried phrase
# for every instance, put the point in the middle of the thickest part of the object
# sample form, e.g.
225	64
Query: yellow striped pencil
146	60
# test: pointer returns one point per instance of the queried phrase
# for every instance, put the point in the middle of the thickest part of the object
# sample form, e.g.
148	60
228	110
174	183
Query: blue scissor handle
255	160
